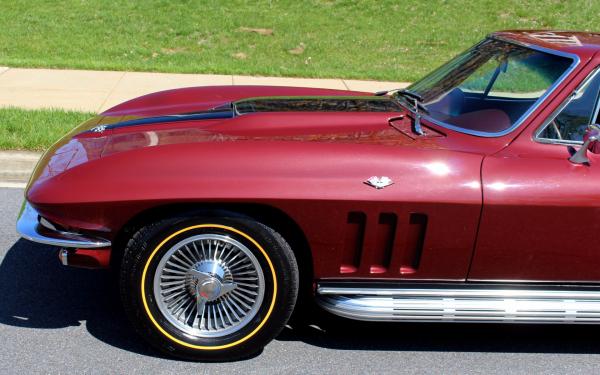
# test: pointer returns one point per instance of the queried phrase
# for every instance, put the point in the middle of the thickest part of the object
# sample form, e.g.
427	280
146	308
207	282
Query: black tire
141	257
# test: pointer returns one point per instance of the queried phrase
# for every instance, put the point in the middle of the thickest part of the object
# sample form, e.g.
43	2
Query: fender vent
384	244
353	242
415	238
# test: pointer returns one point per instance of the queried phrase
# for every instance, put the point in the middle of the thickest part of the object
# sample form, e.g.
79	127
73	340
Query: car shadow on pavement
37	292
332	332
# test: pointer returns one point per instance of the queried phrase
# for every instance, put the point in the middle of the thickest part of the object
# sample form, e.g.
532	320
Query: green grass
22	129
374	39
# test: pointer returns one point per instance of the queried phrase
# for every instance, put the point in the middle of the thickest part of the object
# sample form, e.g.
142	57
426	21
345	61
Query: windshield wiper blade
410	94
416	100
407	94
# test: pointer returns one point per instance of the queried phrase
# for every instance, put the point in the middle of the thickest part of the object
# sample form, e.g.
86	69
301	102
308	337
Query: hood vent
272	104
317	104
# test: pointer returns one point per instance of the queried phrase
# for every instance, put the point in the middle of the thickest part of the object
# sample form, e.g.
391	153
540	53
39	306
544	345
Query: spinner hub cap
209	285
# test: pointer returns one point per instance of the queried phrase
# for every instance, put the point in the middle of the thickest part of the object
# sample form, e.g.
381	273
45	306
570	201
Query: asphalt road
59	320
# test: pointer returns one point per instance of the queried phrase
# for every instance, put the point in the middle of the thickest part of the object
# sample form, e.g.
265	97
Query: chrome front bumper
29	227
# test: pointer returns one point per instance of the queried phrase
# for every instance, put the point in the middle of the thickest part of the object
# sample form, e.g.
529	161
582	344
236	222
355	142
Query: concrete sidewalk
96	91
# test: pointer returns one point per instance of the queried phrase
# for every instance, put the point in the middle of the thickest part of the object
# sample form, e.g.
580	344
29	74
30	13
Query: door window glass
571	122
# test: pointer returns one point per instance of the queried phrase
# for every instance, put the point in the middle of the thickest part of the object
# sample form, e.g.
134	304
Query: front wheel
206	288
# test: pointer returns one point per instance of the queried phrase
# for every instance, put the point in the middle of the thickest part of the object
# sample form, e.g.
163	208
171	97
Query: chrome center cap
208	281
209	289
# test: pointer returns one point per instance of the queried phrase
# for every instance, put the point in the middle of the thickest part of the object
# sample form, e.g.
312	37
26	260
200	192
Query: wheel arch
266	214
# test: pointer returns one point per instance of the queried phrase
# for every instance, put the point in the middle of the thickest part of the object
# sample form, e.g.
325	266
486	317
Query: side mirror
590	142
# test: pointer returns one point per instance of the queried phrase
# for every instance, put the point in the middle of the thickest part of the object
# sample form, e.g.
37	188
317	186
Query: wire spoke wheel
209	285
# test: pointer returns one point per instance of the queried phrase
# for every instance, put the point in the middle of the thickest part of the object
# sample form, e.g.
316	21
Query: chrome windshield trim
29	227
533	108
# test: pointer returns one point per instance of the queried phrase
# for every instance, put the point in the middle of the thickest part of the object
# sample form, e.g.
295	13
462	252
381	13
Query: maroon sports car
473	195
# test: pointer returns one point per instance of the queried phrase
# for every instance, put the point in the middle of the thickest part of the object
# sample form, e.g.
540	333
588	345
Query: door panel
541	217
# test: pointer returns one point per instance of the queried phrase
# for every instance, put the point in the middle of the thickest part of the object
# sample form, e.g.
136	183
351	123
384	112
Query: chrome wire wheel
209	285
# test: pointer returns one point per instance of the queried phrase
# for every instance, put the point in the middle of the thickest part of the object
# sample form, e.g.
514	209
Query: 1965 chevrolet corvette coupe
473	196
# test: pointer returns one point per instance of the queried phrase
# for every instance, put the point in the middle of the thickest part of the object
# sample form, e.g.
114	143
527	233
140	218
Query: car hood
223	114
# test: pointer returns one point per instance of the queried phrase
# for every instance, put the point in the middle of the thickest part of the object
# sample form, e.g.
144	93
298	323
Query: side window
580	111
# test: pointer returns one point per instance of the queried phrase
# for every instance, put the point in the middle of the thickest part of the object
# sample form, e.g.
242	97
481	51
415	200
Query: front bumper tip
29	227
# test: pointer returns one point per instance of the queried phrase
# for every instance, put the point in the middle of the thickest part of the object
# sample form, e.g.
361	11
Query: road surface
59	320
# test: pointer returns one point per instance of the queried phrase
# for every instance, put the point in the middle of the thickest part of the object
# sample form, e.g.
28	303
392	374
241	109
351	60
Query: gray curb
16	167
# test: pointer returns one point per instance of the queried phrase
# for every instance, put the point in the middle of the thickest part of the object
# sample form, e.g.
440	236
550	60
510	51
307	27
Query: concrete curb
16	167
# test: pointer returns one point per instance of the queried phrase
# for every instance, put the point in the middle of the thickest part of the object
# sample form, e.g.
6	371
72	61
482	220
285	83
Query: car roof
582	44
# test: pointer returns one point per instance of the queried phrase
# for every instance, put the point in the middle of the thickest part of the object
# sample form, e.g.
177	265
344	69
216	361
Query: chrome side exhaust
465	304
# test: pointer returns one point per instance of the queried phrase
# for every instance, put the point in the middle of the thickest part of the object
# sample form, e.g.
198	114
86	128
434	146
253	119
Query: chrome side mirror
590	142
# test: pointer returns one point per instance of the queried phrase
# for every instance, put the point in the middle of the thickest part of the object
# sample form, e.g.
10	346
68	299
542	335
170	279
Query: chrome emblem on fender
379	182
98	129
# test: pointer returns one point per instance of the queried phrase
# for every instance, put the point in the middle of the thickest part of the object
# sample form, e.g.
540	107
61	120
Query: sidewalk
95	91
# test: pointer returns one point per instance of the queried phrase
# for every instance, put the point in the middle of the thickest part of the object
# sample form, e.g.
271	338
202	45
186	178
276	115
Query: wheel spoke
235	297
173	277
196	251
175	299
247	291
183	255
169	270
170	263
227	302
222	305
171	283
200	305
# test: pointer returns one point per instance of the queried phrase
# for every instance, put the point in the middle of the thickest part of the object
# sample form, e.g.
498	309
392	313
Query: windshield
489	89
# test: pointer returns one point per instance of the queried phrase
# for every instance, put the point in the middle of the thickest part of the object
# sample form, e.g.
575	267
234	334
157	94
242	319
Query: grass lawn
22	129
368	39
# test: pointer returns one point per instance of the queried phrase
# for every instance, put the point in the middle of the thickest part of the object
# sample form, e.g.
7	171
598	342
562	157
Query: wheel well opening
265	214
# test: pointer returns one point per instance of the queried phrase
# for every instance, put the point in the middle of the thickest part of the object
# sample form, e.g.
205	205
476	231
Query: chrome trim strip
207	115
533	108
29	227
597	109
462	305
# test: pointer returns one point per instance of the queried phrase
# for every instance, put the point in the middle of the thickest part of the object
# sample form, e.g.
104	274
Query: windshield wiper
417	102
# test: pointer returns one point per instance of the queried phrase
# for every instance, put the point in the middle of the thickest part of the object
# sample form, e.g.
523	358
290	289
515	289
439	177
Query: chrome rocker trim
29	227
483	305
